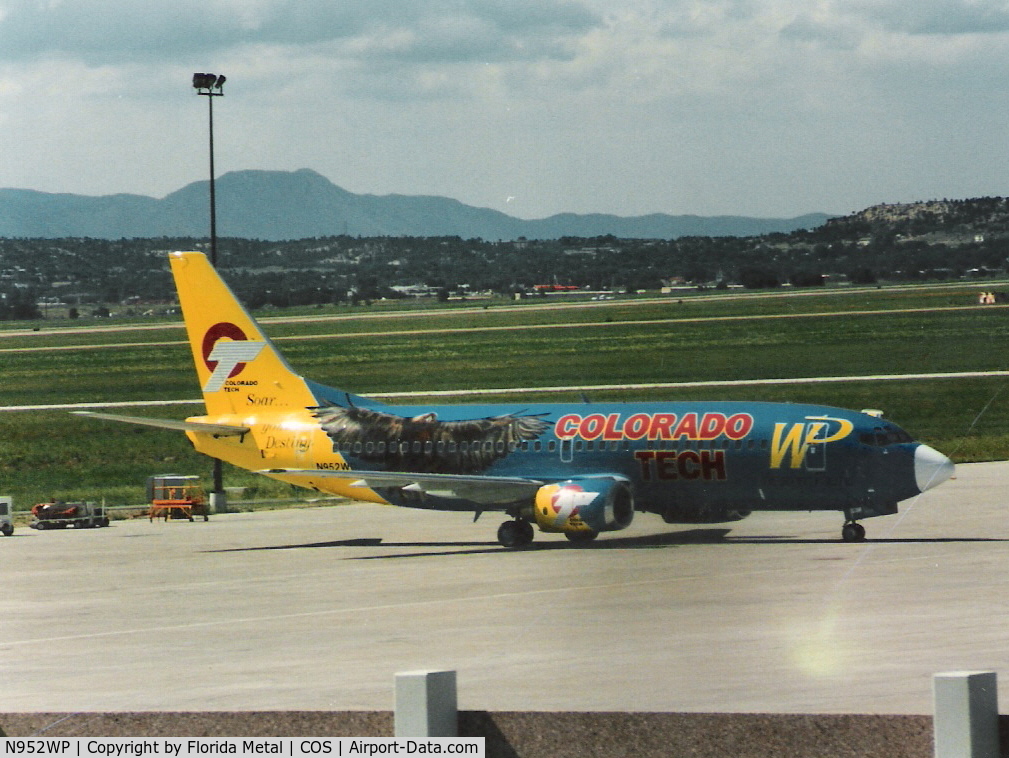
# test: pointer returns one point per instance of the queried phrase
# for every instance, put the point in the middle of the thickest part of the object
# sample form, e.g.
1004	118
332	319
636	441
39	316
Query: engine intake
603	504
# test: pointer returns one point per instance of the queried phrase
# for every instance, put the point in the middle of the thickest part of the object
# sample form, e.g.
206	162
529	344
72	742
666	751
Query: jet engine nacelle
604	504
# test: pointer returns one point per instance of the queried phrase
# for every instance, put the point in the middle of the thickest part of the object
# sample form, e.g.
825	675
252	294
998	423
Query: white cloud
937	17
749	106
420	30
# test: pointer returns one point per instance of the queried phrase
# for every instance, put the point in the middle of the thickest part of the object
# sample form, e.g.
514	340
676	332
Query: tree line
944	240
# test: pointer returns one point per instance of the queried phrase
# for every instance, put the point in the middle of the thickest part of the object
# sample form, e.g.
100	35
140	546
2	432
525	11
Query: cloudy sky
533	107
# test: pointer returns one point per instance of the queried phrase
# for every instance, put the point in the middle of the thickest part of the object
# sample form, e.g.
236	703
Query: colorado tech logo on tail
226	358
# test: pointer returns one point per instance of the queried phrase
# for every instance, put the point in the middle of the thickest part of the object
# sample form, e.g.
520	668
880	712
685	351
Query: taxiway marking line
508	328
547	390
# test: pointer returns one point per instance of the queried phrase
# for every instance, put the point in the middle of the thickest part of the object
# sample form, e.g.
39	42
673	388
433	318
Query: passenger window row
536	446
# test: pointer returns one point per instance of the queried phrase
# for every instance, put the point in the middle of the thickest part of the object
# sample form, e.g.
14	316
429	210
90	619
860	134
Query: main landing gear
853	532
517	533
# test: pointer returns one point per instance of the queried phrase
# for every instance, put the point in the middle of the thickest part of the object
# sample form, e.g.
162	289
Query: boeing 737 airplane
577	469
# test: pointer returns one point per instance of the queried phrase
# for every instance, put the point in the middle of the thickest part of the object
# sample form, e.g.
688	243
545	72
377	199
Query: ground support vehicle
175	496
60	515
6	516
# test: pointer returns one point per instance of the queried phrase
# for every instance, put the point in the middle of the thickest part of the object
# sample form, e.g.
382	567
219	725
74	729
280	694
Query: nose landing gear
853	532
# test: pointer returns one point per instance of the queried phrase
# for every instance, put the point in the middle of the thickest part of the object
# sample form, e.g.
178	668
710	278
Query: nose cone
931	468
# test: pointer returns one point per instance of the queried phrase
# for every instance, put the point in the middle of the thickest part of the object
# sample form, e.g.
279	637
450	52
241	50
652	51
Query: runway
318	608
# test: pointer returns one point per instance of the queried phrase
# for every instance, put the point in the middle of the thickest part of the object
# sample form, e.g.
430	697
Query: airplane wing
486	490
218	430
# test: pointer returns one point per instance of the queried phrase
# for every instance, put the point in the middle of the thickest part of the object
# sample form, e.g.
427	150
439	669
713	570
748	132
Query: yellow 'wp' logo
794	441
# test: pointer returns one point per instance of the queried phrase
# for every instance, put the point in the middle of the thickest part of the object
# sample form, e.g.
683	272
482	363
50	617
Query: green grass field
782	335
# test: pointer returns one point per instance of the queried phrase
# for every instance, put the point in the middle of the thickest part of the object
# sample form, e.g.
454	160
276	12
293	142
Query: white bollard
426	704
218	502
966	714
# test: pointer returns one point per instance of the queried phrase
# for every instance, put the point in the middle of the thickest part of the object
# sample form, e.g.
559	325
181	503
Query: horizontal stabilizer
489	490
218	430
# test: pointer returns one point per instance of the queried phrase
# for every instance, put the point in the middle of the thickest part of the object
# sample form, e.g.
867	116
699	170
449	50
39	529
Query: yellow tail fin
238	367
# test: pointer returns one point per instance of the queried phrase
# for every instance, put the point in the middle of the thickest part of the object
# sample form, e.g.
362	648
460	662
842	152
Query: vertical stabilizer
239	368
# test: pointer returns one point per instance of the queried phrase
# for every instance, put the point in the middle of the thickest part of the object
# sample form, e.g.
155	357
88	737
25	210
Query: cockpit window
883	436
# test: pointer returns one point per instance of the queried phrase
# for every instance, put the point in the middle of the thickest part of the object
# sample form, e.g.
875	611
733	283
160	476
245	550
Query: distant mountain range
282	205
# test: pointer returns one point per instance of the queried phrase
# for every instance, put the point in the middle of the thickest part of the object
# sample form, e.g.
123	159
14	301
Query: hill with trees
946	239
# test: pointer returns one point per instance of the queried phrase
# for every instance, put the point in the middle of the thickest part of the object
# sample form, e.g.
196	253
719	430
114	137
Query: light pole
212	86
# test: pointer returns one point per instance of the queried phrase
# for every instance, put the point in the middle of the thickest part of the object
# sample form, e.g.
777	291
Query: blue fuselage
687	461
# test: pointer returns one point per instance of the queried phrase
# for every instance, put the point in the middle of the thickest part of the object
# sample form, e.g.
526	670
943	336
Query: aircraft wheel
516	533
580	538
528	533
852	532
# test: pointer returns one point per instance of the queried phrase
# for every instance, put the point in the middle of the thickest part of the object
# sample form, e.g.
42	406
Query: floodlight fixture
204	83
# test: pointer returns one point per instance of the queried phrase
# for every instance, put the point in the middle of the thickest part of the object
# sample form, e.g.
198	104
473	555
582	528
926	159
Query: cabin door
816	453
567	450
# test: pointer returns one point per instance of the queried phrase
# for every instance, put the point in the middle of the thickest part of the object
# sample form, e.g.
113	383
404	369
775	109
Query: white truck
6	516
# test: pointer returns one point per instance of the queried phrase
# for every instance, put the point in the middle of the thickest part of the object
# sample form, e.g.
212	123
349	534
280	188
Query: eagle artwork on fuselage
424	444
577	469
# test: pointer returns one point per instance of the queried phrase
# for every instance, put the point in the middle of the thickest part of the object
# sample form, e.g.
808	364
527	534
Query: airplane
577	469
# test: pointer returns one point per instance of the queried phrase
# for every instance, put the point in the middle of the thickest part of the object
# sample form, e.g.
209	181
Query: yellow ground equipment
174	496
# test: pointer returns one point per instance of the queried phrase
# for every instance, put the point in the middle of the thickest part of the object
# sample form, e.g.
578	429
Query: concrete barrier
966	714
426	704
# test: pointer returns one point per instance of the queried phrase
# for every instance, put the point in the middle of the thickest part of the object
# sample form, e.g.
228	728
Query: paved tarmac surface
318	608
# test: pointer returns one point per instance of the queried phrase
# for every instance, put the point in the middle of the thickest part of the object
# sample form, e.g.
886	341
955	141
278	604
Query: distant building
991	298
546	288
